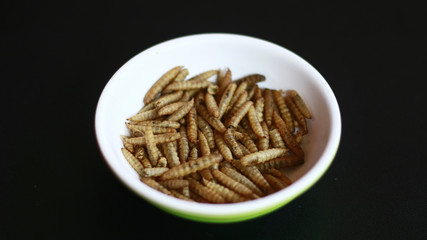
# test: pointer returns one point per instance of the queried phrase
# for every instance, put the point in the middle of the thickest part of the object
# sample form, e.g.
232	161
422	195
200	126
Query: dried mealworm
205	192
225	99
225	81
280	175
263	143
168	98
232	143
251	79
268	106
170	108
222	146
228	194
165	124
186	85
205	150
276	139
259	108
142	156
182	111
207	131
258	93
231	183
284	110
191	166
152	150
155	129
298	115
174	183
183	147
239	90
192	125
262	156
274	182
133	161
161	83
171	153
160	138
129	146
204	75
142	116
211	105
235	120
203	144
255	175
188	94
236	175
180	195
245	127
181	75
300	103
287	136
155	185
281	162
249	143
154	171
244	149
254	122
213	121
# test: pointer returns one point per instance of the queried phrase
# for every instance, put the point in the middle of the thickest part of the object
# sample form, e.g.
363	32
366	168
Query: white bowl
122	97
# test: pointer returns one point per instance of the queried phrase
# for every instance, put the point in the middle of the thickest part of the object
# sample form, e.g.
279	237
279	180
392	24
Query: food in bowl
214	139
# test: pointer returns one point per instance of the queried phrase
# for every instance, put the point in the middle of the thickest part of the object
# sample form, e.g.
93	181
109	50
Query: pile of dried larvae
215	141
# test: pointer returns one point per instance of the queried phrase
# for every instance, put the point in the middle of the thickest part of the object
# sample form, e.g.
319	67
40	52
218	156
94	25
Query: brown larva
162	82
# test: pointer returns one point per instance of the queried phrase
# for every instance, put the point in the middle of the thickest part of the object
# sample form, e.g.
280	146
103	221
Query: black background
57	58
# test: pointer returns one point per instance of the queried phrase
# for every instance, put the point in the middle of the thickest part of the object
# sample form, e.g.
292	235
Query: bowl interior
123	95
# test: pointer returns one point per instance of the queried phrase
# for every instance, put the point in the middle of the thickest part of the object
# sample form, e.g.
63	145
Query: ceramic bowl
123	95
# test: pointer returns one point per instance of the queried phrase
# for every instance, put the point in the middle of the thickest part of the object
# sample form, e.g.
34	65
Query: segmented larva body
268	106
160	138
236	175
170	108
225	99
191	166
183	147
276	139
207	131
192	125
254	122
232	143
222	146
231	183
298	115
146	115
262	156
182	111
213	121
281	162
205	192
133	161
300	103
223	84
168	98
154	171
211	105
235	120
284	110
228	194
263	143
161	83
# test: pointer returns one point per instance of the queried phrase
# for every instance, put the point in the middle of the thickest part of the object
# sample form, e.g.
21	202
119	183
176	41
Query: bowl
123	96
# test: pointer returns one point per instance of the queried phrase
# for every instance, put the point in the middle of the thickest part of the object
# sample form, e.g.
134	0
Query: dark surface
56	59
